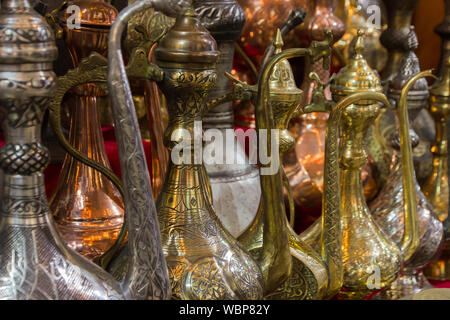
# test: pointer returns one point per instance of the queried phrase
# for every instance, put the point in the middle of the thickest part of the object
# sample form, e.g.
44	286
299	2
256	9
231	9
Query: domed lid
441	88
92	13
282	79
25	37
188	42
357	75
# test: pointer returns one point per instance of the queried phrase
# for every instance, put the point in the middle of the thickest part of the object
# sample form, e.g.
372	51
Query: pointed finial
278	43
359	45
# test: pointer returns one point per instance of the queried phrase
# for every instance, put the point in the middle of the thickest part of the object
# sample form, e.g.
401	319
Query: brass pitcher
32	249
365	247
436	188
309	278
388	208
204	260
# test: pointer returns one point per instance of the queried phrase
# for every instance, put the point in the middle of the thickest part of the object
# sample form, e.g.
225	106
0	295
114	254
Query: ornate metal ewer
204	260
388	209
34	256
436	188
87	207
235	187
396	39
309	277
365	247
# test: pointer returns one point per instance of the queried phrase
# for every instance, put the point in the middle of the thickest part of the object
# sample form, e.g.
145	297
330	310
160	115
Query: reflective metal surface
355	15
436	188
263	17
309	276
87	208
235	187
204	260
364	246
388	208
35	263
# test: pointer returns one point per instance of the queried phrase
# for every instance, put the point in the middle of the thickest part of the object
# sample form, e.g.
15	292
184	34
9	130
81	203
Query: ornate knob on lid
188	42
357	75
285	97
282	79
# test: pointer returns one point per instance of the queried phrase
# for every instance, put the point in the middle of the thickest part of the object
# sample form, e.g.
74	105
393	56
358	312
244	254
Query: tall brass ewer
309	276
204	260
436	188
35	262
235	187
388	208
87	207
365	248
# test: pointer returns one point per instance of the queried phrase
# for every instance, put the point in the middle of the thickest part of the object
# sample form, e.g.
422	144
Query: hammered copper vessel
87	207
364	244
34	256
235	187
388	208
436	188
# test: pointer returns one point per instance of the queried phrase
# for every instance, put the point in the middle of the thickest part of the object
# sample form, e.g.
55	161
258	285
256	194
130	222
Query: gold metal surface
308	279
263	17
365	248
304	164
436	188
204	260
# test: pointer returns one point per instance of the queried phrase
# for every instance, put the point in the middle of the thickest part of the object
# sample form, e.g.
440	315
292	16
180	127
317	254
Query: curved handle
410	241
65	83
90	70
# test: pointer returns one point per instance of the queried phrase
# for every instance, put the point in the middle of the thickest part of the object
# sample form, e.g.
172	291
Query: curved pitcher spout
147	275
411	240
